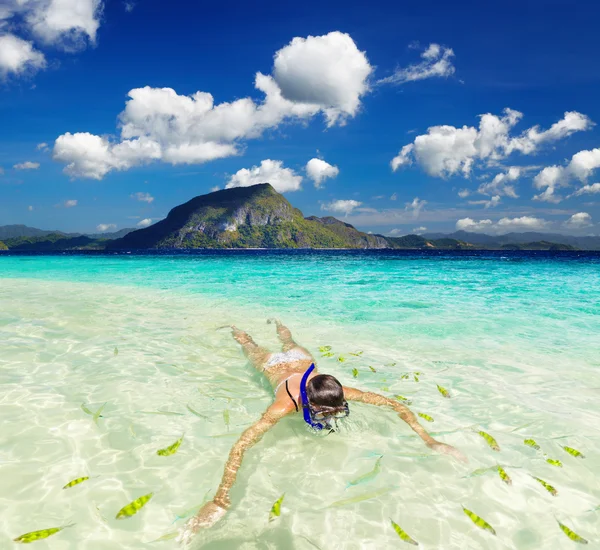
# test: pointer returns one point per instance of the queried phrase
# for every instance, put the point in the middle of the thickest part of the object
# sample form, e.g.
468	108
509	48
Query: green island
260	217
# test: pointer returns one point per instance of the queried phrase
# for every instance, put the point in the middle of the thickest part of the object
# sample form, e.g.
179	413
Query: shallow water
515	341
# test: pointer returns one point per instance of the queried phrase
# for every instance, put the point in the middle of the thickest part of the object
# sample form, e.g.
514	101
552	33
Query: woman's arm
214	510
407	415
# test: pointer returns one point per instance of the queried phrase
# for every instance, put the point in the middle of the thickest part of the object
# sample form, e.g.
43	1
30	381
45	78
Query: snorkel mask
318	419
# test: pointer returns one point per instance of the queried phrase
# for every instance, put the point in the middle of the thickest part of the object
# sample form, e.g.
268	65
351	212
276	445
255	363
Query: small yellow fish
324	349
385	388
546	486
97	414
133	507
531	443
196	413
355	373
480	522
573	452
328	354
116	352
166	536
341	359
416	377
226	417
504	476
357	354
359	498
76	482
571	534
390	365
369	476
404	377
490	440
443	391
372	369
171	449
39	535
480	471
87	411
402	534
553	462
403	399
276	508
426	417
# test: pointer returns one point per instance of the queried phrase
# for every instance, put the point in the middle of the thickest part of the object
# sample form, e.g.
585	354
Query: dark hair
325	391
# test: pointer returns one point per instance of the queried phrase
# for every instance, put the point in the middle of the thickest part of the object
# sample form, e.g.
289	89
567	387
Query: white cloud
42	147
468	224
416	206
105	227
502	184
341	206
579	220
30	208
68	24
491	203
505	225
145	222
328	71
580	167
91	156
318	170
28	165
215	188
70	203
129	6
394	197
18	56
523	223
464	193
269	171
142	197
437	62
319	74
446	150
592	189
419	230
403	158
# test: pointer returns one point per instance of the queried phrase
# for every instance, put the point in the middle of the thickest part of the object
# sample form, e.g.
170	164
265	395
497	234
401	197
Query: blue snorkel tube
305	406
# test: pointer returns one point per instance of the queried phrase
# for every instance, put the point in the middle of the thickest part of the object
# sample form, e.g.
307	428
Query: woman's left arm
405	414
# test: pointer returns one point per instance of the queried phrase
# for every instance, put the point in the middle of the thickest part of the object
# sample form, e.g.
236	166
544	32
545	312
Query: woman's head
325	390
326	398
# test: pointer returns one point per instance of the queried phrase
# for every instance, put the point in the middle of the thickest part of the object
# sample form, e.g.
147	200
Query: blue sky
397	118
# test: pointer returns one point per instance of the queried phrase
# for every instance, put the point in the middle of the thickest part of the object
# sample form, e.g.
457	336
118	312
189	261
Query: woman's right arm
214	510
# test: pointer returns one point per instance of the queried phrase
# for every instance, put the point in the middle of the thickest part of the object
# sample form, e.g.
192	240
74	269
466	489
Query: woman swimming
298	388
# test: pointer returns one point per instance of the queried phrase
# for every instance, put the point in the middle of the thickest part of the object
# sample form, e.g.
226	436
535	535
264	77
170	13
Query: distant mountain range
259	217
16	231
498	241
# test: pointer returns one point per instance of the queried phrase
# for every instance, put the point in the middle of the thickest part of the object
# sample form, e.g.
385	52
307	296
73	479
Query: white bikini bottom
286	357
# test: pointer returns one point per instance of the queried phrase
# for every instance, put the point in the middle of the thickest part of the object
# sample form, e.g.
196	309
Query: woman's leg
257	355
285	336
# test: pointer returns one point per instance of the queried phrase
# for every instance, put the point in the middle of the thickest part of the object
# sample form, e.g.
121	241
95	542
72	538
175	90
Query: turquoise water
515	341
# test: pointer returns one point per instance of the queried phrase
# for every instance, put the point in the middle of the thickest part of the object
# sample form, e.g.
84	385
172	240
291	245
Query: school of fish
136	505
